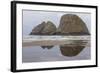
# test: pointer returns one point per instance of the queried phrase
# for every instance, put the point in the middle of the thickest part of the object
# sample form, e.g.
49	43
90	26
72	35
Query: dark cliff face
72	25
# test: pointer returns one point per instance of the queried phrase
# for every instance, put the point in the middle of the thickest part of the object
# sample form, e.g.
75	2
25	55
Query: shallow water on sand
38	54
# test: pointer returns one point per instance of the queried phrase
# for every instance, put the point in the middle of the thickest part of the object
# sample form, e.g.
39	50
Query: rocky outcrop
72	25
38	29
44	29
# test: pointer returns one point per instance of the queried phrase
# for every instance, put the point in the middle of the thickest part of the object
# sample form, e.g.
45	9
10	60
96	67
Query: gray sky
34	18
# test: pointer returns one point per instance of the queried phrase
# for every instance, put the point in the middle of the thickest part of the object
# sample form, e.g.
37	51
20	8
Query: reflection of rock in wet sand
72	25
44	29
49	47
71	50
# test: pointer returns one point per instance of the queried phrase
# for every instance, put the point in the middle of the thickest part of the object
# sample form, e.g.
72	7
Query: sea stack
73	25
44	29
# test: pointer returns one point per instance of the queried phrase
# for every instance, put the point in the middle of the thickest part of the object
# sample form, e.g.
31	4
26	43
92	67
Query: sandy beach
55	40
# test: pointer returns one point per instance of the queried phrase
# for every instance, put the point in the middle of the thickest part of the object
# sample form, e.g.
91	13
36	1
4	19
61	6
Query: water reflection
48	47
56	53
72	49
67	50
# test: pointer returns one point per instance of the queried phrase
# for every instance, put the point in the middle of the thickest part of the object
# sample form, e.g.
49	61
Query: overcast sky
34	18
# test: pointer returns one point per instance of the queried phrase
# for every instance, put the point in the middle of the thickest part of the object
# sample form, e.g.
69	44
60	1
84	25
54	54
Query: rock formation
44	29
71	24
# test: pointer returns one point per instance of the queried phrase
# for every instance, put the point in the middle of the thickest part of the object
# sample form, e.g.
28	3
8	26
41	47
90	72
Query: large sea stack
73	25
44	29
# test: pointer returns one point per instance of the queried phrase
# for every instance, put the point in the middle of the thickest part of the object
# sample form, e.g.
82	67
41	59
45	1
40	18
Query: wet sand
54	40
38	54
33	52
